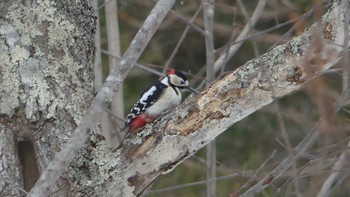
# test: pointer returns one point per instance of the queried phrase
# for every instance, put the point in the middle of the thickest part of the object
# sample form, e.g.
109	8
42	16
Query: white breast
166	101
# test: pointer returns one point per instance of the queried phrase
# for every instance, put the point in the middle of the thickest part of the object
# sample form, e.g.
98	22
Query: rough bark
92	117
46	79
160	147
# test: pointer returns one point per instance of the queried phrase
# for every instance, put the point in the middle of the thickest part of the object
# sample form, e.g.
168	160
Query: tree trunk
46	81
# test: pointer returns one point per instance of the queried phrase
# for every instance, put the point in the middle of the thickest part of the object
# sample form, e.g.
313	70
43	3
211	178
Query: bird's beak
191	89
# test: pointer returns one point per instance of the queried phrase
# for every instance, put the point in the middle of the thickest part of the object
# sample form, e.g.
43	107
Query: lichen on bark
46	71
43	54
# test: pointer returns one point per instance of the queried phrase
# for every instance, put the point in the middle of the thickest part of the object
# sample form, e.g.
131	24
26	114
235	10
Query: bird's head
179	80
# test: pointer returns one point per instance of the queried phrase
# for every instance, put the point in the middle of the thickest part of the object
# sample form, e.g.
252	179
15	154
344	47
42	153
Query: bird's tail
124	131
112	129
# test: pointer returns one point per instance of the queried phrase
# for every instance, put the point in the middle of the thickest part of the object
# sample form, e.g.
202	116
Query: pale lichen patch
46	72
9	91
101	160
45	10
10	85
26	28
53	27
19	54
59	32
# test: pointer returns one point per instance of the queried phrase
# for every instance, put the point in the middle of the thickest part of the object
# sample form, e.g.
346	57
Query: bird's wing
146	100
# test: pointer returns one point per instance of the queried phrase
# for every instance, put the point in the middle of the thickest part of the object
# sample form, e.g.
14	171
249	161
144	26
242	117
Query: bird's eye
182	82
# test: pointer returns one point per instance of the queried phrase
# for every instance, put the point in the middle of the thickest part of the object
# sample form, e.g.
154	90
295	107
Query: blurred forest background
247	151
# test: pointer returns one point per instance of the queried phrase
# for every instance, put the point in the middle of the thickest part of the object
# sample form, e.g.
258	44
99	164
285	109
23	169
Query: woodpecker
163	95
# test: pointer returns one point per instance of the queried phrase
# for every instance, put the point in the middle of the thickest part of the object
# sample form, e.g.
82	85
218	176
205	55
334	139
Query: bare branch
182	38
140	66
111	12
117	103
285	164
208	8
336	170
231	175
248	27
189	23
303	17
254	177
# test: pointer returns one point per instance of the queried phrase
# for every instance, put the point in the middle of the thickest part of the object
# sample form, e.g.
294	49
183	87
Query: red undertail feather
140	121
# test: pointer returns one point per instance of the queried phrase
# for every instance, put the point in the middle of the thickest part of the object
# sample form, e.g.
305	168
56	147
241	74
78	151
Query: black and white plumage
163	95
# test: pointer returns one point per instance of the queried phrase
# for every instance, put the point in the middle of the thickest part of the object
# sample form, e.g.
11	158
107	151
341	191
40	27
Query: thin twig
223	168
338	166
235	46
189	23
327	185
145	68
283	130
253	178
232	47
285	164
194	183
232	35
294	175
285	137
299	151
304	16
345	177
182	38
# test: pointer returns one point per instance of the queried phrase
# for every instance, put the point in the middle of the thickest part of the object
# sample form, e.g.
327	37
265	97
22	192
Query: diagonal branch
63	158
200	119
338	166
